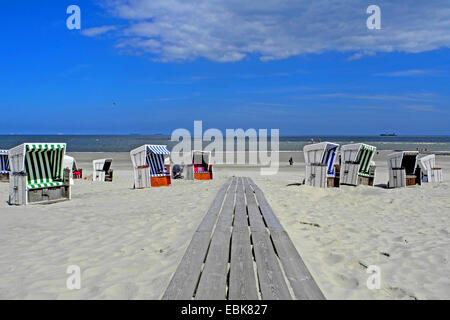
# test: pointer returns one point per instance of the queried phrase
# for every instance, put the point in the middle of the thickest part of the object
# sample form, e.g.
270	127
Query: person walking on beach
291	161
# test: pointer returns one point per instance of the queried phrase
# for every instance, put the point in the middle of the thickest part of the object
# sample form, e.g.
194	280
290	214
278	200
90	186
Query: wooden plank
210	218
318	176
226	215
254	215
350	174
242	281
273	224
240	211
323	176
270	276
354	174
185	279
213	280
308	176
300	279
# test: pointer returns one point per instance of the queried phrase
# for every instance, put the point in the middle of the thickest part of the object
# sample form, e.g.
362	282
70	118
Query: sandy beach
129	242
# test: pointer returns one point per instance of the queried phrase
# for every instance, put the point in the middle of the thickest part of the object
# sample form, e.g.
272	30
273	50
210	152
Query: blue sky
154	66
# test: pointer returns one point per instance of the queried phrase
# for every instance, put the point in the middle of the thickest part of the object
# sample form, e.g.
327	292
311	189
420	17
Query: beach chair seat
201	169
39	185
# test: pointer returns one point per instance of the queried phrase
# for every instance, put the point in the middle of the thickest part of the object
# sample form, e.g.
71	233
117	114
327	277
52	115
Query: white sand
129	242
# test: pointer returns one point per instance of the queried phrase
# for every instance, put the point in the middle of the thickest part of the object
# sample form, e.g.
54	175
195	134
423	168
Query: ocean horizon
125	143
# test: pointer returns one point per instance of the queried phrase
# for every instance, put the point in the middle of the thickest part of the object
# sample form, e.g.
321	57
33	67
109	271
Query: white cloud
96	31
424	108
231	30
405	73
381	97
271	104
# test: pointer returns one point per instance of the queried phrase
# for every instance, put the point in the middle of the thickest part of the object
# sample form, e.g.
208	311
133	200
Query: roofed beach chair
151	166
429	172
200	168
319	160
4	165
71	164
357	166
102	170
37	173
403	170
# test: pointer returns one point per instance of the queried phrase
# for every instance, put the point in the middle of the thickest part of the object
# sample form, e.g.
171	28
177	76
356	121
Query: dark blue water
125	143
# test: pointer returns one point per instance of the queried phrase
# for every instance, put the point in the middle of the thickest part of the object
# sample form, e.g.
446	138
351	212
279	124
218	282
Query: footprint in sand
346	282
399	293
126	290
334	258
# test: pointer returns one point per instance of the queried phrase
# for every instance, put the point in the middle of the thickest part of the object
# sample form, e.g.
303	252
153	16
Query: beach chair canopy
321	153
359	153
70	163
427	163
153	156
158	149
102	164
42	162
403	160
4	161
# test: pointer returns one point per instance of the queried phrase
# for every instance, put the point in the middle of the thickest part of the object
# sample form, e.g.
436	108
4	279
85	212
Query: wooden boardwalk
240	251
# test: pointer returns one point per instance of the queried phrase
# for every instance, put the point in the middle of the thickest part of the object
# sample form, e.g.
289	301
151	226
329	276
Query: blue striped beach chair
319	160
4	165
37	173
150	167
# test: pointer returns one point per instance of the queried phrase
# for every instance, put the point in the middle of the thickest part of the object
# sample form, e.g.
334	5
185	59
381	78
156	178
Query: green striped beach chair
37	173
357	166
320	161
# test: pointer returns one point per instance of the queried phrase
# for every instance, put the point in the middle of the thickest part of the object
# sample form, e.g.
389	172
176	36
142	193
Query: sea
125	143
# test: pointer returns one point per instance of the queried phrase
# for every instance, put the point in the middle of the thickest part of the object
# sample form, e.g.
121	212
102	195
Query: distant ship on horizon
388	135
